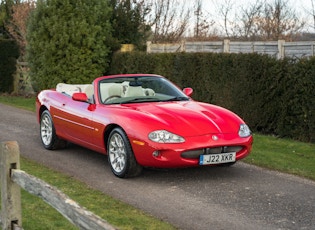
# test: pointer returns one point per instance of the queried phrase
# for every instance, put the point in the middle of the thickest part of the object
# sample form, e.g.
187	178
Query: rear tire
120	155
48	133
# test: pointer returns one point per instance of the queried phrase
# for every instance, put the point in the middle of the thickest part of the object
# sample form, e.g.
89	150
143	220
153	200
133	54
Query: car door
73	120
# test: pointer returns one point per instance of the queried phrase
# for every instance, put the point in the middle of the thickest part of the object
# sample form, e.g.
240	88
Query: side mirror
188	91
80	97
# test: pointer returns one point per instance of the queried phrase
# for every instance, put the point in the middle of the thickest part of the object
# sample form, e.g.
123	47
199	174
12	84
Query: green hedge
68	41
272	96
9	52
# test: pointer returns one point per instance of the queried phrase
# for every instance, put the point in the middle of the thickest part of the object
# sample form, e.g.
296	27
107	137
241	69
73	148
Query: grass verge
39	215
27	103
283	155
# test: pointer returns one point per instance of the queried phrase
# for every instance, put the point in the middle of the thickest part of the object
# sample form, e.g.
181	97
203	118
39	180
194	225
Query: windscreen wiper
141	99
178	99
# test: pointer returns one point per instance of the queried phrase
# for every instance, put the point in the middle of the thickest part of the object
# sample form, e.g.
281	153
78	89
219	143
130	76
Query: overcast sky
210	7
298	5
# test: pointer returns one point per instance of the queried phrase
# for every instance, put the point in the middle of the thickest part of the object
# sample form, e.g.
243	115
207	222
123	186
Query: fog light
156	153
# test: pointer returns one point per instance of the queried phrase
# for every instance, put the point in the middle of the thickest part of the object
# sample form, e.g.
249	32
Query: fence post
281	49
183	46
11	211
226	46
149	43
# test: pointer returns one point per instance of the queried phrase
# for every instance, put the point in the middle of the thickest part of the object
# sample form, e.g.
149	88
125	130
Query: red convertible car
141	120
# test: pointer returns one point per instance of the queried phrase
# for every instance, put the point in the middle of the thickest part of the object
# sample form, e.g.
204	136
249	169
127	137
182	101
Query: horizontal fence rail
13	179
278	49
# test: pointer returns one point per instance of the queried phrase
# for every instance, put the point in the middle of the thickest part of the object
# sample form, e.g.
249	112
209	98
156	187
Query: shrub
9	52
67	41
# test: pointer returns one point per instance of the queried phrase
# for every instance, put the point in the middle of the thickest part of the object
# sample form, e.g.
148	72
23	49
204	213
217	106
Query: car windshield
137	89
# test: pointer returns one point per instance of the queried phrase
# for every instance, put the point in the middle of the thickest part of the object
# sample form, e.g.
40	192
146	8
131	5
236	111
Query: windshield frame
155	89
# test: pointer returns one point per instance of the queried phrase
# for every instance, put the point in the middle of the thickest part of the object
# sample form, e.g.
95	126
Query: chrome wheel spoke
46	130
117	153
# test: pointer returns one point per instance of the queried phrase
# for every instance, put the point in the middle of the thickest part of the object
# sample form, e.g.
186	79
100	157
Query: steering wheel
111	97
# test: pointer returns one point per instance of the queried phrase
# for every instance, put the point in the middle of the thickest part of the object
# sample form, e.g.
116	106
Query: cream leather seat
134	91
67	88
109	90
89	91
115	90
149	92
70	89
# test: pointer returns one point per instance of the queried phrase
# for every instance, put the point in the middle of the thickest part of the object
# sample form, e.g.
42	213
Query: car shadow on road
76	156
196	173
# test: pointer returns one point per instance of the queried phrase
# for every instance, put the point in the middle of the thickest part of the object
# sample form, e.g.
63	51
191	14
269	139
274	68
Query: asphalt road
238	197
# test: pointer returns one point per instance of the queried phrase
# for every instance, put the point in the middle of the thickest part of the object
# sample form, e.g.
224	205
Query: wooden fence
13	179
278	49
22	81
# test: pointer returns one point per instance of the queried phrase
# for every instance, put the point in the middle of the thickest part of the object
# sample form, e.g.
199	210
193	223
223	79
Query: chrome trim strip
76	123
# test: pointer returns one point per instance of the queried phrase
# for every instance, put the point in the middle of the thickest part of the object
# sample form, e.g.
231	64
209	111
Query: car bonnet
188	118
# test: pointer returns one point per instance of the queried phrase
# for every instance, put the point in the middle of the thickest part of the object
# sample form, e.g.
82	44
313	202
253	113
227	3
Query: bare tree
267	20
224	9
198	14
17	24
279	21
247	28
202	24
311	12
168	20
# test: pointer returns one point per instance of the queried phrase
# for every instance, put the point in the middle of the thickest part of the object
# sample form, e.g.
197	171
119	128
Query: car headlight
244	131
163	136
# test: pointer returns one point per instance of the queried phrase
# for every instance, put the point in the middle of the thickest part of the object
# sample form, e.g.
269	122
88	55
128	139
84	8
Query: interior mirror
188	91
80	97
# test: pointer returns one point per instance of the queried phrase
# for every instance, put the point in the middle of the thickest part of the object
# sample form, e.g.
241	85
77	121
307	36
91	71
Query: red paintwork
86	124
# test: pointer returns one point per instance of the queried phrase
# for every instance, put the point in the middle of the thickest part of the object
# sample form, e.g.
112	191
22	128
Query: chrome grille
195	154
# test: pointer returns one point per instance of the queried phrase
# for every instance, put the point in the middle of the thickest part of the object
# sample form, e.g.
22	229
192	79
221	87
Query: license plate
212	159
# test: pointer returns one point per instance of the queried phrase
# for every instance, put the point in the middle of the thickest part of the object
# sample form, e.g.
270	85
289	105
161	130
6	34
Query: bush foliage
272	96
9	52
67	41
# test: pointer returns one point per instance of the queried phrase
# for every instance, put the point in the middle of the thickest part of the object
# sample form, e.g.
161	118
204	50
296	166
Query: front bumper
187	154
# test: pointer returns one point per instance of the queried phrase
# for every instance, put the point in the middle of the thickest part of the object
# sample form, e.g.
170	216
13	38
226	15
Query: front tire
120	155
48	133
